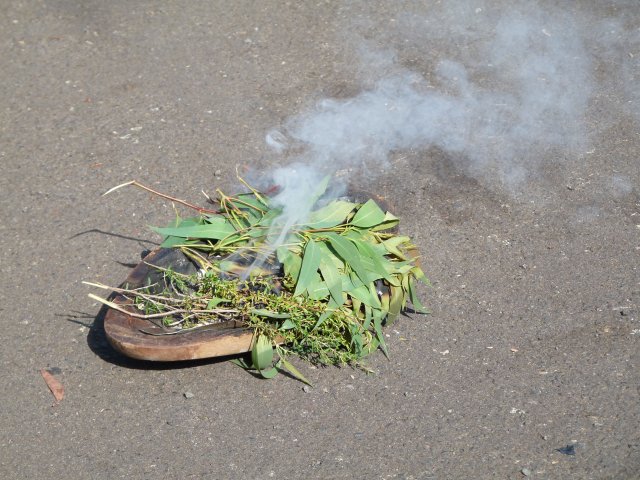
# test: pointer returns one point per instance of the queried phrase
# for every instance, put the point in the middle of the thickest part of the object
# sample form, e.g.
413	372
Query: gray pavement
522	194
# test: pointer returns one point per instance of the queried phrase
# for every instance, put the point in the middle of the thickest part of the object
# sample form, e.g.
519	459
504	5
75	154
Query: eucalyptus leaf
310	263
364	295
320	190
378	262
368	215
294	371
389	222
325	315
291	262
396	304
171	241
332	279
349	253
332	214
377	325
262	353
270	373
393	243
215	301
241	363
268	313
246	201
327	255
368	316
317	289
287	325
217	229
417	305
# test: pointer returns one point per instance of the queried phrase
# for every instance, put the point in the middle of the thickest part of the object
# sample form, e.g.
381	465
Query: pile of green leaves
324	293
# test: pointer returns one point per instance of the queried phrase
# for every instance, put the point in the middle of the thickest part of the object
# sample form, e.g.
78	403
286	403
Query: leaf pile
324	293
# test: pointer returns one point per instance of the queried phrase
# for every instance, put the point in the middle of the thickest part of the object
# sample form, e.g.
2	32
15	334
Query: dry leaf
54	385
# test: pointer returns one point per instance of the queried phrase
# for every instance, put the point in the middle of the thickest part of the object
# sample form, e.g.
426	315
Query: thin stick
115	306
155	192
135	292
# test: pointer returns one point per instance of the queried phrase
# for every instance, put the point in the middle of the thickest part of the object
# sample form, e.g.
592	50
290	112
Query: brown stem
168	197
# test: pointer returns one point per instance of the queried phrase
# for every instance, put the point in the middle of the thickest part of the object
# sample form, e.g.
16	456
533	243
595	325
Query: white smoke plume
517	87
514	91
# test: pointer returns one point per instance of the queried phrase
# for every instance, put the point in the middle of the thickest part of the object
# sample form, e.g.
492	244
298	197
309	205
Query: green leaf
291	261
171	241
253	217
317	289
356	338
349	253
368	316
417	306
287	325
240	362
351	281
371	347
248	201
377	262
294	371
373	289
377	325
262	353
326	314
215	301
231	239
261	312
218	229
419	275
368	215
272	372
332	280
393	243
310	263
364	295
328	255
320	190
396	303
390	221
357	307
268	218
335	213
187	222
384	300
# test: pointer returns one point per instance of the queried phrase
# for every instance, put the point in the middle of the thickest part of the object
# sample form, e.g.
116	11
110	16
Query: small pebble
306	389
217	173
526	472
568	450
188	395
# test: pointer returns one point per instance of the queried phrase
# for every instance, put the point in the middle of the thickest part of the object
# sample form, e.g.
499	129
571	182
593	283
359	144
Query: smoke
531	94
513	90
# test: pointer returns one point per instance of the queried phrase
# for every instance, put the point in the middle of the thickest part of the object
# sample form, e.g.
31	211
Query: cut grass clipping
324	293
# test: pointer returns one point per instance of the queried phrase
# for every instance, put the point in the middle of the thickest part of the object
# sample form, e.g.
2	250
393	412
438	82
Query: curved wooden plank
124	331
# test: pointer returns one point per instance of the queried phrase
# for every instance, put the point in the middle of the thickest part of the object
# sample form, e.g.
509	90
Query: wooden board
124	331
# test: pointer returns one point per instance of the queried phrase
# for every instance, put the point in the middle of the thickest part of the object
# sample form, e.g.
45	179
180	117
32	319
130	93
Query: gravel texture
532	343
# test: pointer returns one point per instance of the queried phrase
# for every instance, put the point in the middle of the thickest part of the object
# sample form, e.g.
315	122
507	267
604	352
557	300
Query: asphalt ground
532	341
